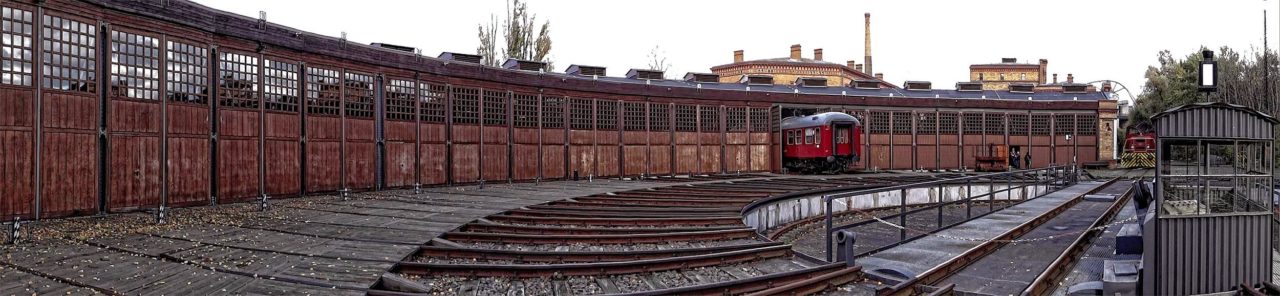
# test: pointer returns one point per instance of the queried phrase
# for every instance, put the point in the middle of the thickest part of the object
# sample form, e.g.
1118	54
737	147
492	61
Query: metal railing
1050	178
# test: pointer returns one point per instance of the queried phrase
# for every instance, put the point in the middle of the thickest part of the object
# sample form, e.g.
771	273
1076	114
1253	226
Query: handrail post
940	205
968	199
991	194
828	200
902	217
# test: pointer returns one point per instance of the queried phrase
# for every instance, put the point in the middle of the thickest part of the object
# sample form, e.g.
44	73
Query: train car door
843	138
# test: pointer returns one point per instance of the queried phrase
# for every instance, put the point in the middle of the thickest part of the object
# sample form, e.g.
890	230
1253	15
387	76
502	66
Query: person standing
1027	158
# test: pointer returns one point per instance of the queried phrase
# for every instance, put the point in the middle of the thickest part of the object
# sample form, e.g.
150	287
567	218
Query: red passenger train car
825	142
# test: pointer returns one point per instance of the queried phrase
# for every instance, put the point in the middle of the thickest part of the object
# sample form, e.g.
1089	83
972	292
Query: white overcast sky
911	40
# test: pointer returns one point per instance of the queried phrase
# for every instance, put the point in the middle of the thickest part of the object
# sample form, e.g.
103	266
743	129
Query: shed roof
1214	120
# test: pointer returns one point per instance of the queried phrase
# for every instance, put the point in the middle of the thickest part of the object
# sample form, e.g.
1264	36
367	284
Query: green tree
1173	82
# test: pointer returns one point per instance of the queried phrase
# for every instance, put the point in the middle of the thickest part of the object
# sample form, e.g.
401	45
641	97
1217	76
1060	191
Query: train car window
466	105
16	49
69	55
280	86
431	98
995	124
358	95
809	135
135	66
553	112
633	116
399	101
495	108
686	118
324	92
710	119
607	115
186	75
759	119
790	137
238	80
736	119
1064	124
1087	125
580	114
525	109
659	117
842	136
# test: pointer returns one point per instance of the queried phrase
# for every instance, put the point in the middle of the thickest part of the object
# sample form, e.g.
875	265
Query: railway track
682	239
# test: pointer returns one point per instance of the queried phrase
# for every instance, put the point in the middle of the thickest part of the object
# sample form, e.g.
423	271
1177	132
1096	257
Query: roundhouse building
115	105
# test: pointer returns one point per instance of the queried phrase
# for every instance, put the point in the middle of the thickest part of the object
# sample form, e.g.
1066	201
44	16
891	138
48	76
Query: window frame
186	72
280	85
21	28
129	55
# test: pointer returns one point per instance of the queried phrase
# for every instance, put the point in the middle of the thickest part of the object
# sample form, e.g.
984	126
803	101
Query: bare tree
521	38
658	60
488	49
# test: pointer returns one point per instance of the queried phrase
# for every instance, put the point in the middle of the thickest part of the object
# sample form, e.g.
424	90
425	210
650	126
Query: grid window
759	119
553	112
1064	124
927	123
580	114
495	108
187	75
659	117
400	101
879	123
972	123
15	50
1018	124
901	123
525	109
358	95
280	86
948	124
1087	125
607	115
431	101
69	54
995	124
710	119
238	80
324	92
466	105
736	119
633	116
686	118
1040	124
135	66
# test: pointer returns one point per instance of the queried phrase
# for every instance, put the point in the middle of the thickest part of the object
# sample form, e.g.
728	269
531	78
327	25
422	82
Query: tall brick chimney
817	54
737	56
858	67
879	76
1044	68
795	51
851	63
867	42
1070	79
1055	78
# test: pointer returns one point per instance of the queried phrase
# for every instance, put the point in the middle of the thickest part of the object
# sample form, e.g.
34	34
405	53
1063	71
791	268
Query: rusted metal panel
283	167
1199	246
635	138
237	169
1039	157
68	111
70	173
495	162
1063	155
607	160
22	104
324	150
926	157
188	171
685	138
553	162
134	116
525	162
637	160
737	158
525	136
687	159
660	157
134	165
361	163
400	164
466	134
466	163
1087	154
760	158
949	156
582	160
496	135
17	183
432	164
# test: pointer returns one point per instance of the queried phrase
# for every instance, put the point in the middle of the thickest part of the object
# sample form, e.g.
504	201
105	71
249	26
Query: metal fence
1024	184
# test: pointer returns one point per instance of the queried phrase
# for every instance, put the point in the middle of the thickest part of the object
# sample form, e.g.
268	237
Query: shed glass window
1203	177
324	92
69	53
710	119
359	95
431	101
659	117
135	66
607	115
399	100
686	118
633	116
759	119
495	108
580	114
553	112
238	80
280	86
466	105
736	119
15	46
525	109
187	73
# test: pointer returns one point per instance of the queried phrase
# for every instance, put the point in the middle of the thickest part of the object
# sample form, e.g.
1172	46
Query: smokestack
817	54
1044	68
858	67
879	76
737	56
867	58
1055	78
1070	79
795	51
851	63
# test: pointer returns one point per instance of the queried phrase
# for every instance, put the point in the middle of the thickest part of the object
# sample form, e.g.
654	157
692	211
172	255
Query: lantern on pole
1208	73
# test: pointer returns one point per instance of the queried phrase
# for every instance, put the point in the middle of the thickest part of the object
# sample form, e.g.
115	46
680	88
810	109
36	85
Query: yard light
1208	73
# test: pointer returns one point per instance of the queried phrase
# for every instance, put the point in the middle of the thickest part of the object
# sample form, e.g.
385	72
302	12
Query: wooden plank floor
311	245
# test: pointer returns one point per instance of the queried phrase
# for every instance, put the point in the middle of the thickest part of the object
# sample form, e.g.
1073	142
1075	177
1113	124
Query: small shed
1210	227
